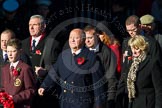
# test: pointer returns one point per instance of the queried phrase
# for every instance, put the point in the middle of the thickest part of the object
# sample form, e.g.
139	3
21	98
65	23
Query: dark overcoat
109	63
45	57
34	56
79	84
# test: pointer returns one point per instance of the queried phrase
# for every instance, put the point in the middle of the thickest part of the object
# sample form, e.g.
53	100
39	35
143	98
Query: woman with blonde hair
140	85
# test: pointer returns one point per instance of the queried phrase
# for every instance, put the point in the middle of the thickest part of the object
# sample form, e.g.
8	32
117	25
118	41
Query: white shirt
36	40
14	64
77	52
96	49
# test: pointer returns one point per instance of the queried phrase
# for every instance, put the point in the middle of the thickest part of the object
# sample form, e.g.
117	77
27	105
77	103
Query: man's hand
37	69
41	91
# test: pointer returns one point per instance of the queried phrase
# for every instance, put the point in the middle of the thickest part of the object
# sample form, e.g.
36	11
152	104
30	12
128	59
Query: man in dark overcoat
77	76
34	47
108	60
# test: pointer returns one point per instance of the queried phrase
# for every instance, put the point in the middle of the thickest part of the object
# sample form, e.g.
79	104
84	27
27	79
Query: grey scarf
132	75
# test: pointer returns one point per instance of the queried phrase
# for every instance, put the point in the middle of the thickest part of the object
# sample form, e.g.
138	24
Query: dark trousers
46	101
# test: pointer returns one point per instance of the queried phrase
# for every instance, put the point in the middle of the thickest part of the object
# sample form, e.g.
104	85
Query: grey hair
40	17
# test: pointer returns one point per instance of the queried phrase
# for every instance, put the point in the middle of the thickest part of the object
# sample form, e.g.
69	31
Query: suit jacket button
72	82
71	91
64	82
64	91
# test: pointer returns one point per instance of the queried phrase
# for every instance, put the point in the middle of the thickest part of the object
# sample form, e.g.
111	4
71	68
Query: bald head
76	39
6	35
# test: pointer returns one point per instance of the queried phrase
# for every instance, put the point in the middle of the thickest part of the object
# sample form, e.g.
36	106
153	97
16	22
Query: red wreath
6	100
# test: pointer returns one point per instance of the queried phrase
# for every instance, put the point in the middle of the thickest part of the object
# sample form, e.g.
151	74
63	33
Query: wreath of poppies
6	100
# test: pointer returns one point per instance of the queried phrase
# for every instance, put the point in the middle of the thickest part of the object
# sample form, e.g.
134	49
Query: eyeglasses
132	30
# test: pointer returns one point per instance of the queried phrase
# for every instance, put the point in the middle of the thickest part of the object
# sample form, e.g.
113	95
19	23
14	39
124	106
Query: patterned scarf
132	75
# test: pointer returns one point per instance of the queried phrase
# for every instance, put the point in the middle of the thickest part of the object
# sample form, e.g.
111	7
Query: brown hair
15	43
107	40
133	19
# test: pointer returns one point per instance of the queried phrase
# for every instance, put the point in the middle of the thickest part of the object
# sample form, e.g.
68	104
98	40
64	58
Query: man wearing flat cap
149	27
147	24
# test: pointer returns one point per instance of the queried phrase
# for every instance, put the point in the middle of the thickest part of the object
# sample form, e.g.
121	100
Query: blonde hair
16	43
138	42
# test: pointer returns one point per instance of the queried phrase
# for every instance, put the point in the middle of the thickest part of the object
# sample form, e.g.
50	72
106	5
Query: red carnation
80	60
16	72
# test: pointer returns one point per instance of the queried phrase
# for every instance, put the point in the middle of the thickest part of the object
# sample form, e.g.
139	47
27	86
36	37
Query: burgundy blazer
24	90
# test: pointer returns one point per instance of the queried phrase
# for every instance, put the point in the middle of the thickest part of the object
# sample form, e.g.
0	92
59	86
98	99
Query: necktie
11	70
33	45
5	57
12	67
73	54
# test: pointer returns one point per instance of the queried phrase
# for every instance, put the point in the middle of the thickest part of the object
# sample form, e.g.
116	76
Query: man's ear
140	25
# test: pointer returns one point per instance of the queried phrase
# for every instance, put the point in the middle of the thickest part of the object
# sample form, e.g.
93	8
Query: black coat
109	63
148	85
45	59
34	57
74	82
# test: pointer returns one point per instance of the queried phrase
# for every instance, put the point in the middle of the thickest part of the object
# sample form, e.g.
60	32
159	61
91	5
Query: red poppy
6	100
129	57
16	72
38	52
80	60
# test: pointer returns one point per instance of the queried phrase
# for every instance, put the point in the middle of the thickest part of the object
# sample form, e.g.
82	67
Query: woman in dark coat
140	85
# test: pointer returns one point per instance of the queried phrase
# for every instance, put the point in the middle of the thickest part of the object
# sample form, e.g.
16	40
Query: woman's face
136	52
101	37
